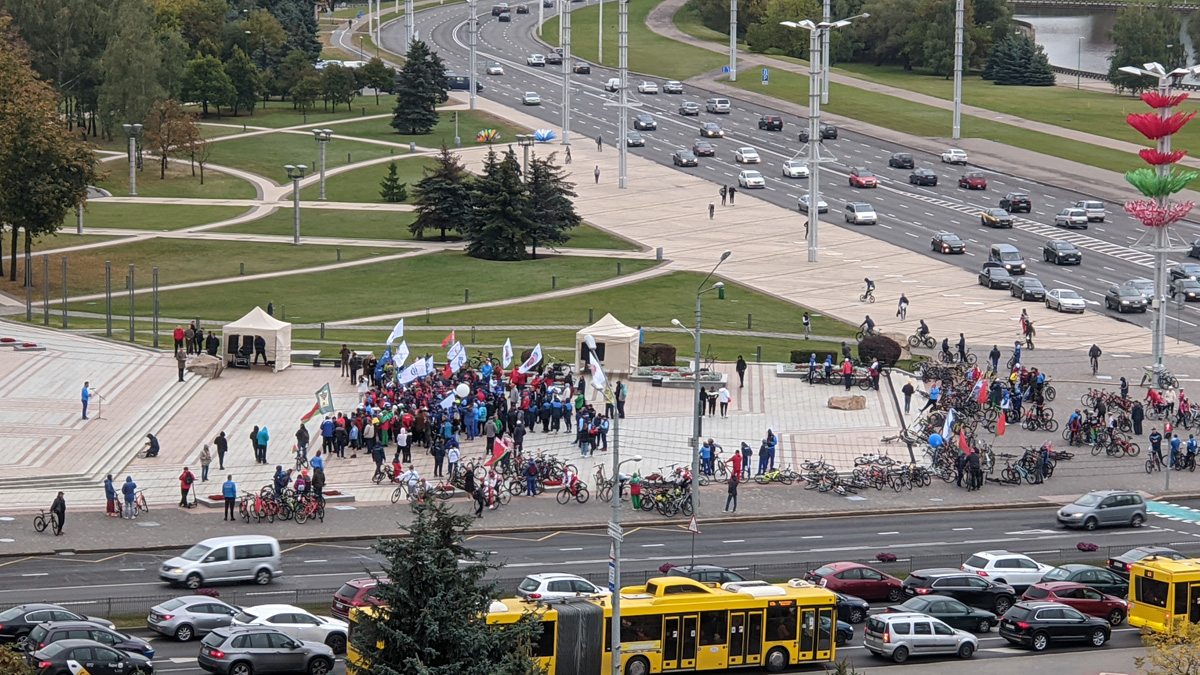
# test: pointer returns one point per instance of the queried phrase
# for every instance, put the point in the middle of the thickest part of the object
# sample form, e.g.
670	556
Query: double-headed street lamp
526	142
322	136
296	172
133	131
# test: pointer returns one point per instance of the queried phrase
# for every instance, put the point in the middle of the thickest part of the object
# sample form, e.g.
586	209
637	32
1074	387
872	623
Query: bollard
721	293
339	252
658	254
131	312
107	298
618	268
242	271
553	282
154	326
758	358
472	334
591	315
28	287
282	312
749	322
243	127
466	296
412	146
322	330
364	112
426	315
64	291
348	158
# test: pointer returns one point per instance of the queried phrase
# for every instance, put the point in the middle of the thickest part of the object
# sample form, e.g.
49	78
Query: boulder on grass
902	340
848	402
206	366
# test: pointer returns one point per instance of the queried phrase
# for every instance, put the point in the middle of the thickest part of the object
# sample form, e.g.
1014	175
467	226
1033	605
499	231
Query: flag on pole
449	339
1000	424
962	440
429	366
982	394
417	369
598	378
499	450
447	402
508	352
311	413
383	361
401	354
534	358
397	332
949	423
325	399
978	387
456	358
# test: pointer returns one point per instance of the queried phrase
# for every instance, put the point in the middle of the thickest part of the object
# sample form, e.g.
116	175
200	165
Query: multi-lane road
909	215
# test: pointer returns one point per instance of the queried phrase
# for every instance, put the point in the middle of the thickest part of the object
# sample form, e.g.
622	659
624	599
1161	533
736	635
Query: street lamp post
473	39
956	130
296	172
526	142
1078	61
410	24
322	136
623	101
733	40
133	131
566	69
600	36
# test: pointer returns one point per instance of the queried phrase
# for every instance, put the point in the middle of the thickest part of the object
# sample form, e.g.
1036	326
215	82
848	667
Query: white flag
397	332
532	361
946	427
508	352
428	366
598	378
401	354
417	369
447	402
457	356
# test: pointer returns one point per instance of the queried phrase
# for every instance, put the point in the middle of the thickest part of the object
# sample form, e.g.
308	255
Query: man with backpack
185	485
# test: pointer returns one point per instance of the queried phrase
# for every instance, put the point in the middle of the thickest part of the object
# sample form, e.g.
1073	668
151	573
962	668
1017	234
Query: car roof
940	572
555	576
844	565
267	609
73	624
903	616
701	568
1059	585
79	642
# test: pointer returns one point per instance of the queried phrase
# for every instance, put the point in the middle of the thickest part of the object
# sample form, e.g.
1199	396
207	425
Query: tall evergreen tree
130	68
391	189
550	195
420	87
243	75
503	219
300	23
1038	72
442	196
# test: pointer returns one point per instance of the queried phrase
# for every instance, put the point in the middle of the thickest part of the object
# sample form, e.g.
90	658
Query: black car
1100	579
554	59
947	242
1122	563
901	160
1027	288
1037	624
1187	290
1061	252
644	122
703	149
967	588
17	622
770	123
705	574
54	631
803	138
581	68
954	613
1195	252
522	9
1185	271
828	132
711	130
67	657
1125	298
852	609
1016	201
634	140
996	218
923	177
995	277
684	158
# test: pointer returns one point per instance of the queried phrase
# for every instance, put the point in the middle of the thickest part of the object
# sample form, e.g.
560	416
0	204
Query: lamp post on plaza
296	172
133	131
322	136
526	142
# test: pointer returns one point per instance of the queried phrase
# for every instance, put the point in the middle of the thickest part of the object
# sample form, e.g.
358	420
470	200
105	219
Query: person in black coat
1137	415
59	509
260	349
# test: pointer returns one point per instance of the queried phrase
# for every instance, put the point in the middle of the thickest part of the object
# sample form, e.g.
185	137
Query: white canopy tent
257	323
616	346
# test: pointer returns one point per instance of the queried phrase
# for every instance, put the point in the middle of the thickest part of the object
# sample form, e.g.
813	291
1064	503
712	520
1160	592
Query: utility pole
566	67
410	27
814	139
825	55
623	64
733	40
600	37
474	41
956	131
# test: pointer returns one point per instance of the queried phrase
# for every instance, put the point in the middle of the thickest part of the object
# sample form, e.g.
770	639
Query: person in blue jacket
110	496
129	492
229	492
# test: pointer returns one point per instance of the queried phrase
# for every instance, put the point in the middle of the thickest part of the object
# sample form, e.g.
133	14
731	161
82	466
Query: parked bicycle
45	519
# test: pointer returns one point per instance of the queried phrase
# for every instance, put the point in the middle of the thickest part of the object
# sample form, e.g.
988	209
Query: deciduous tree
1172	653
169	131
204	80
130	67
304	94
420	87
338	85
443	196
243	76
1141	35
377	75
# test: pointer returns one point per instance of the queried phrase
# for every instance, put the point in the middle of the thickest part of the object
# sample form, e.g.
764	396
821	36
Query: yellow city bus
1163	591
677	624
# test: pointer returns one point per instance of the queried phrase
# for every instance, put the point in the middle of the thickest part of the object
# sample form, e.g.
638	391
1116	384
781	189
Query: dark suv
1016	201
355	593
770	122
967	588
54	631
901	160
1037	624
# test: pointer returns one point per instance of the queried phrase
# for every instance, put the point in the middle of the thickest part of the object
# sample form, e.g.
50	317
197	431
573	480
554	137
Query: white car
751	179
795	168
297	623
1065	300
802	204
1015	569
556	586
954	156
672	87
648	87
613	84
746	156
1094	209
495	69
536	60
1071	217
531	98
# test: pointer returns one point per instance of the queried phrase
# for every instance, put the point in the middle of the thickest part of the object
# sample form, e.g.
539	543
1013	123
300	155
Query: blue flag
387	357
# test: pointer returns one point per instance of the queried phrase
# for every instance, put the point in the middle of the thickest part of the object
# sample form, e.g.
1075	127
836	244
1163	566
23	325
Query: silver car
1104	508
1065	300
185	617
1094	209
898	636
242	651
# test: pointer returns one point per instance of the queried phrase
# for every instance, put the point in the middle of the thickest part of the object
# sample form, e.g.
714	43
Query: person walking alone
902	307
568	159
724	192
733	488
732	194
597	174
908	392
600	143
222	444
741	371
712	210
229	492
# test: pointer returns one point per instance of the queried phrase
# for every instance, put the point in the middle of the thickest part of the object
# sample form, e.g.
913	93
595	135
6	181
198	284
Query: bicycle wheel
1010	475
1149	466
605	493
270	510
302	514
564	496
397	495
582	495
785	478
141	504
762	479
685	505
914	341
377	478
860	335
971	358
1049	393
321	512
1051	425
245	509
649	502
703	480
39	523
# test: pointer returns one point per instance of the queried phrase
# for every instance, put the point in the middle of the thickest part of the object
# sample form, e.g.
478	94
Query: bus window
1181	598
781	624
545	643
712	628
641	628
825	630
1151	591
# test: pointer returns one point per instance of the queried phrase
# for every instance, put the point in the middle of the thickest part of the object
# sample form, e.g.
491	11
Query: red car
858	580
355	593
1083	598
973	181
863	178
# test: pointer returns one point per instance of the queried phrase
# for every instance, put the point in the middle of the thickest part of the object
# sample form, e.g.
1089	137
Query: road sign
693	527
612	577
724	69
615	531
766	76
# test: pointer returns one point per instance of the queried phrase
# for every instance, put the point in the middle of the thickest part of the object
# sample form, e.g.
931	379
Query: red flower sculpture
1154	127
1155	158
1153	215
1157	100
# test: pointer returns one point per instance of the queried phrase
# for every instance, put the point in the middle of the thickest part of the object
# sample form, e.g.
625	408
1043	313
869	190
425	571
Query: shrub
801	356
656	354
879	347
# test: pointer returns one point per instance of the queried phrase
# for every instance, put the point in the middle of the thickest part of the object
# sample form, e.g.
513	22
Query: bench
318	362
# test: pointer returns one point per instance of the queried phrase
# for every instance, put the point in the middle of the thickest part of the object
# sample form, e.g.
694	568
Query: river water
1079	38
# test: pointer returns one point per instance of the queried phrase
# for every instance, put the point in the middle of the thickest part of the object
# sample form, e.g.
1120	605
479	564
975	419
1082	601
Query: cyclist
812	367
1094	357
301	485
962	347
281	481
1175	443
1156	446
828	366
868	326
946	355
870	288
570	481
1016	352
923	330
410	479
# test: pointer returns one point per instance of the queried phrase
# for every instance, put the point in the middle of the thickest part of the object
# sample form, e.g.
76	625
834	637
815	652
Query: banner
397	332
532	361
387	356
428	366
414	371
448	340
401	354
508	353
447	402
457	357
499	449
325	400
598	378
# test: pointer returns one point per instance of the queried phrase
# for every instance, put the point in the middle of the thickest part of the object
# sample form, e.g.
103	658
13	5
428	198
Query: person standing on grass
229	492
807	325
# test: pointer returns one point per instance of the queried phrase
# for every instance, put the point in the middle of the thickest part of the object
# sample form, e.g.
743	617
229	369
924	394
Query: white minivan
236	558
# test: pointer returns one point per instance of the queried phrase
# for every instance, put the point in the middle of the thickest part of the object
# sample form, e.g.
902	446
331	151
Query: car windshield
245	617
999	272
193	554
862	208
1033	283
999	213
686	155
1069	295
865	174
823	571
1057	574
951	238
1010	255
1088	500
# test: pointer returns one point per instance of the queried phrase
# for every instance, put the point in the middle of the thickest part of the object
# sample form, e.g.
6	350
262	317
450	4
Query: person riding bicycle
570	481
870	288
868	325
923	330
152	446
1156	446
1094	357
946	355
962	347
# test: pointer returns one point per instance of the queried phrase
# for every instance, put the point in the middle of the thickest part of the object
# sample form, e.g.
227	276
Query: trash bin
656	381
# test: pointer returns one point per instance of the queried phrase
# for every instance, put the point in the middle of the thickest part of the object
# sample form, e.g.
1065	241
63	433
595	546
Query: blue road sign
766	76
724	69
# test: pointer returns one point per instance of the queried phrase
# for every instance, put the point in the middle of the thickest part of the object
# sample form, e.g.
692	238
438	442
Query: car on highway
795	168
923	177
1093	577
1065	300
644	122
901	160
703	149
16	623
1144	286
531	98
548	4
522	9
993	276
494	68
863	178
996	218
770	123
852	609
862	581
243	651
582	68
647	87
972	180
1194	252
802	204
951	611
751	180
717	106
613	84
947	242
672	87
1184	271
356	593
505	17
1186	289
829	132
1038	624
188	616
803	136
1071	217
1014	202
860	213
536	60
556	586
634	140
1094	209
684	158
1121	564
1008	257
711	130
1124	298
1061	252
74	657
1027	288
966	587
54	631
1015	569
707	574
499	8
554	59
954	156
899	636
297	623
689	109
1104	508
1083	598
746	155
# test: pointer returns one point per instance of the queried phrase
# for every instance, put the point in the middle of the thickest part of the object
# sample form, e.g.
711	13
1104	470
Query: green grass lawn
649	52
279	114
267	154
181	261
149	216
586	236
433	280
178	183
332	223
362	185
470	122
64	239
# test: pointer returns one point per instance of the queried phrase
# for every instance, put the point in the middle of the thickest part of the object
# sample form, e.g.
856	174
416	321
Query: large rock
207	366
902	340
848	402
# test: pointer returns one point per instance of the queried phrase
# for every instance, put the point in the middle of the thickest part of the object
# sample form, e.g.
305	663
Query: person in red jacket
847	372
185	485
178	338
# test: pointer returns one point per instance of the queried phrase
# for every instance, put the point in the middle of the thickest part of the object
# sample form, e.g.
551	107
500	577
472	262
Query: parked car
186	617
684	158
862	581
966	587
16	623
689	109
1123	563
1037	624
795	168
644	122
710	574
1071	218
1027	288
634	140
1015	569
1083	598
973	180
647	87
923	177
1065	300
898	636
242	651
557	585
746	155
297	623
860	213
1061	252
1186	289
703	149
73	657
1104	508
356	593
802	204
1093	577
995	277
863	178
1124	298
1094	209
672	87
47	633
1014	202
947	609
954	156
711	130
751	180
770	123
947	242
901	160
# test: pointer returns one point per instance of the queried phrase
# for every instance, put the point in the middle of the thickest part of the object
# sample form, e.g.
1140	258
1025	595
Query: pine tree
503	219
442	196
420	87
243	75
1038	72
550	197
392	190
433	620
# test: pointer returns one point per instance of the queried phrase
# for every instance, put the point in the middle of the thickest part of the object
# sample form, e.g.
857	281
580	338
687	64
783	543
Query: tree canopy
420	88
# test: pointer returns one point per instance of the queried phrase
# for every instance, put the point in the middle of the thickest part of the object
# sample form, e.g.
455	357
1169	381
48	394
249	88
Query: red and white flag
534	358
449	340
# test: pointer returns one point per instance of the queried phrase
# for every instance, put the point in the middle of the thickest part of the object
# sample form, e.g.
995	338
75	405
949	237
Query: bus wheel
777	659
638	665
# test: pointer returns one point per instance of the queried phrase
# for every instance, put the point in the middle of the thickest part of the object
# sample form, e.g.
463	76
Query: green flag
325	399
